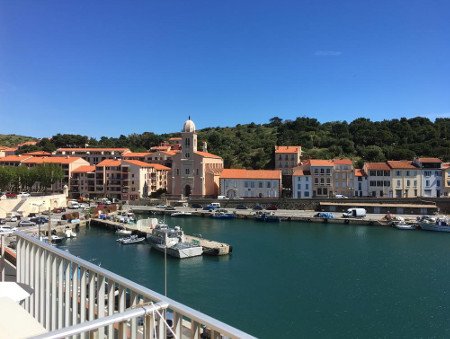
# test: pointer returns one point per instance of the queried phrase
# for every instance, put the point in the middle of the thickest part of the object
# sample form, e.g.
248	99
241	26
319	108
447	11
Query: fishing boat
439	224
133	239
267	217
181	214
173	242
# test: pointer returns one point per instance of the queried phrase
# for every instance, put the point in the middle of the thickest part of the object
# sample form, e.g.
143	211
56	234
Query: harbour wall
33	204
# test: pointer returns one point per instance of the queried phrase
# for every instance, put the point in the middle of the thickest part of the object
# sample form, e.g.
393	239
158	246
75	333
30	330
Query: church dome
188	126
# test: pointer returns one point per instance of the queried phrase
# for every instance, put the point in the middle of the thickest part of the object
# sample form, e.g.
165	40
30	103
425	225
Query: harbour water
298	279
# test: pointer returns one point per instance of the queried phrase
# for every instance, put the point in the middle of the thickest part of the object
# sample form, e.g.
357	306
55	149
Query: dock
210	247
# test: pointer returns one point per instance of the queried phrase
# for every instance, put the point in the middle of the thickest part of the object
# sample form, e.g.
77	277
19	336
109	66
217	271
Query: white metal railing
73	296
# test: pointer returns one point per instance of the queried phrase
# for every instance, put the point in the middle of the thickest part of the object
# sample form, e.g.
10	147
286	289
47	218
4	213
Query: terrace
70	296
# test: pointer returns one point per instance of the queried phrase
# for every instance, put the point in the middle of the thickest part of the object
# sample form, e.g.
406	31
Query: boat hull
434	227
182	252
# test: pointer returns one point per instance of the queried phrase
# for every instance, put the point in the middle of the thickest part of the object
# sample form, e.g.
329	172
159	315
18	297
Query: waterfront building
360	183
93	155
67	164
38	154
175	143
242	183
431	176
321	176
379	178
194	173
286	158
446	178
141	156
405	179
301	183
13	160
120	179
343	177
162	157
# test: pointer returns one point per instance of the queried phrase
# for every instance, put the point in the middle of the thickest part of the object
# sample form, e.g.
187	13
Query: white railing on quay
77	297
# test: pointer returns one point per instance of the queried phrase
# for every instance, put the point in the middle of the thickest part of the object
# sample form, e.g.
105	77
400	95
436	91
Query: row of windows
380	173
379	183
299	186
259	184
305	194
322	180
187	171
322	171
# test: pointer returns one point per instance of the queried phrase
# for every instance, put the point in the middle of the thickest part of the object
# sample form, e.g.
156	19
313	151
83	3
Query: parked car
241	207
209	208
272	208
6	229
39	220
11	219
161	206
11	195
340	196
23	223
258	208
222	197
196	206
325	215
170	208
23	195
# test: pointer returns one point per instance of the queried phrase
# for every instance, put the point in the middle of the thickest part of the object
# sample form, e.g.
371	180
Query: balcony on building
59	295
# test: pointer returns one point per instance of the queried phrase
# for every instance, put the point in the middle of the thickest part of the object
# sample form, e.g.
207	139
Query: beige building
379	179
6	151
287	157
343	177
405	179
120	179
93	155
195	172
446	178
242	183
321	177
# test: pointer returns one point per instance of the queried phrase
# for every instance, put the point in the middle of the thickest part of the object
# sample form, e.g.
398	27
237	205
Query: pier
210	247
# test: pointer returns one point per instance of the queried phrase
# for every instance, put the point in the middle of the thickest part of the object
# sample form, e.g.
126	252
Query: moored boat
181	214
223	215
133	239
123	231
173	242
267	217
69	233
402	225
440	224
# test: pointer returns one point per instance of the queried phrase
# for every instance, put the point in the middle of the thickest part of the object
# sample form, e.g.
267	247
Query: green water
297	279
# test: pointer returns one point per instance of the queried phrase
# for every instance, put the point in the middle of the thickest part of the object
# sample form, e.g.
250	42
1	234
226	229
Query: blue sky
119	67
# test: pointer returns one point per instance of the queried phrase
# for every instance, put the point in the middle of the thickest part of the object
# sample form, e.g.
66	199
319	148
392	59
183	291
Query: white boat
173	242
440	224
123	231
133	239
401	225
69	232
55	239
181	214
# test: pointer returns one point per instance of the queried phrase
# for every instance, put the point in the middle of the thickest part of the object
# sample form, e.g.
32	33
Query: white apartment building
93	155
301	183
405	179
360	183
431	176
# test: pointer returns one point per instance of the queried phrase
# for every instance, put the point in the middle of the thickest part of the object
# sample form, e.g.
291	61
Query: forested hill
10	140
252	145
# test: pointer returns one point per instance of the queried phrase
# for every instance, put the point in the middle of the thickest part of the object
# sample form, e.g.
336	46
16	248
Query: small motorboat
134	239
123	231
69	232
181	214
402	225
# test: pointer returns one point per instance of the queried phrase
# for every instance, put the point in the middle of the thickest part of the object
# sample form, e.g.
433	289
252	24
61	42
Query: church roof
208	155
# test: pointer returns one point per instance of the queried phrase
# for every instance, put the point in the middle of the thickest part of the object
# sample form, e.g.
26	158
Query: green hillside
13	139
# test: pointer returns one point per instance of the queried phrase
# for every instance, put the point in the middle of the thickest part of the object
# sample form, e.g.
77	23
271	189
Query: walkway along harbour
298	279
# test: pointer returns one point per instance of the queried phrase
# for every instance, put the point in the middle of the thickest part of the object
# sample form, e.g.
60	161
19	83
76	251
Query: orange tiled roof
430	160
84	169
27	143
231	173
401	164
8	149
380	166
14	158
136	154
320	162
109	163
287	149
93	149
446	165
175	138
343	161
38	154
50	160
359	172
160	148
147	164
208	155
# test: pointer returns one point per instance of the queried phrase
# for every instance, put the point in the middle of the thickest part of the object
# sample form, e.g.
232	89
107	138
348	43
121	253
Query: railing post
54	290
82	298
177	320
75	294
111	290
67	296
48	289
60	292
195	330
101	302
122	324
42	286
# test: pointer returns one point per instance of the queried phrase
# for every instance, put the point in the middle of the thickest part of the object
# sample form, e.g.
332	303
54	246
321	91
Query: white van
215	204
355	213
73	204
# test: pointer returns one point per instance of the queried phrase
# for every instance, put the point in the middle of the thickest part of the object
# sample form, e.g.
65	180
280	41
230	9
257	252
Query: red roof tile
288	149
430	160
50	160
38	154
14	158
109	163
359	172
208	155
84	169
343	161
231	173
93	149
136	154
378	166
401	164
320	162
